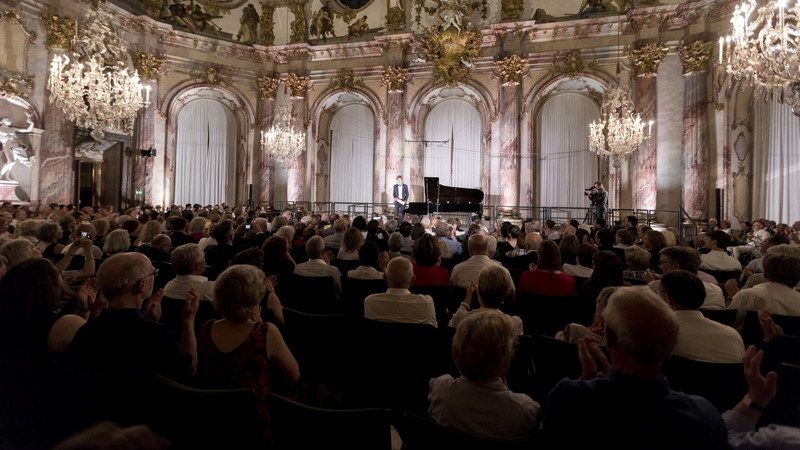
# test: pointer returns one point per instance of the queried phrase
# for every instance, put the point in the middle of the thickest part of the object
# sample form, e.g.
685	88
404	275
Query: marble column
644	163
509	147
144	137
35	139
56	170
266	167
394	141
295	184
615	173
695	144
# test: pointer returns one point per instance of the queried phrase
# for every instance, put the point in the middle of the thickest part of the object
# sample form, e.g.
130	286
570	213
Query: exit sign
138	192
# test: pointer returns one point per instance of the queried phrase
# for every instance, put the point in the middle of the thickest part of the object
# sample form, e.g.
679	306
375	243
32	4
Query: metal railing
687	229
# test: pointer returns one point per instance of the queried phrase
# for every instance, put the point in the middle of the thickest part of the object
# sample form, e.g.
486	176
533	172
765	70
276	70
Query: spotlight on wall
149	152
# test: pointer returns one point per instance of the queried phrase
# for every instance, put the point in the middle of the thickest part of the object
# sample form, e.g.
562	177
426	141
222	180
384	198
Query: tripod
590	215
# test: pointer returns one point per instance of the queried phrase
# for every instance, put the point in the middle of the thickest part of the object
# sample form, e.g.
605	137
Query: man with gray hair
628	400
468	271
159	249
391	226
777	295
334	241
688	259
319	263
189	263
445	234
398	304
124	338
426	223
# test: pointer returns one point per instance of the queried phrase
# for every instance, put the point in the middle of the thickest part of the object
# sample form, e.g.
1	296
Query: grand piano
440	198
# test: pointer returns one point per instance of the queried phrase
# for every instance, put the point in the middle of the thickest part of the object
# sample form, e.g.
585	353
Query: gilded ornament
572	66
347	14
267	24
153	6
347	81
596	95
394	78
148	66
211	77
511	10
267	86
466	8
647	59
161	114
10	87
511	69
298	25
60	31
395	17
298	86
695	56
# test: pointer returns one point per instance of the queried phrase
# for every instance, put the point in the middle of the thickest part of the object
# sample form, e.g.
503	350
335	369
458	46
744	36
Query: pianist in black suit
400	194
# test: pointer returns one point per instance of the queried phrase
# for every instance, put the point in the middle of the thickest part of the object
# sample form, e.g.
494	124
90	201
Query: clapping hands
590	354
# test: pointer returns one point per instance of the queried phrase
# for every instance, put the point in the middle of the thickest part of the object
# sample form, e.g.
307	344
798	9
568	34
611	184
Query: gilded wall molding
646	60
394	78
211	77
59	31
298	86
511	69
267	86
347	81
695	56
148	66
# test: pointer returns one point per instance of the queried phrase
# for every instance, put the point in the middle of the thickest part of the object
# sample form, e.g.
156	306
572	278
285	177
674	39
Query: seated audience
605	240
479	402
351	243
118	241
149	230
49	235
777	295
179	235
236	351
189	263
398	304
638	261
624	239
699	339
607	273
718	258
445	234
334	240
494	288
427	257
584	256
468	271
276	256
396	242
405	231
569	249
29	229
252	257
575	332
669	238
628	400
108	435
368	257
755	238
220	255
319	263
545	277
197	228
159	248
377	235
688	259
125	338
83	230
653	242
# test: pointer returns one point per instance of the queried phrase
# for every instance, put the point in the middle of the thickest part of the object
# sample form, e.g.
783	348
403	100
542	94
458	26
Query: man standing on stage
400	195
599	199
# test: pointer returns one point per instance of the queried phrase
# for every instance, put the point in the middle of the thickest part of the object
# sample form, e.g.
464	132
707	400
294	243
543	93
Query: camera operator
599	198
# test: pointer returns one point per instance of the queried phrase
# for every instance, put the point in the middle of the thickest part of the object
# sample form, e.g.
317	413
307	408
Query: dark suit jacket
396	194
179	238
155	254
218	256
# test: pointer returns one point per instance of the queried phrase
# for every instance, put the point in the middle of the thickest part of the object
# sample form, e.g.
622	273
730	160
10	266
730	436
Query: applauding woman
546	277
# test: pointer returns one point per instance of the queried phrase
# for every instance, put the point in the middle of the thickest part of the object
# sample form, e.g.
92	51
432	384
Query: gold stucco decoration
148	66
394	78
572	65
511	10
511	69
346	81
298	86
211	77
695	56
59	31
267	86
267	24
298	25
647	59
395	17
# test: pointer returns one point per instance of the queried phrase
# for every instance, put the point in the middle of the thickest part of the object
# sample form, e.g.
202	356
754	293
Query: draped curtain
776	163
460	121
567	166
205	164
352	155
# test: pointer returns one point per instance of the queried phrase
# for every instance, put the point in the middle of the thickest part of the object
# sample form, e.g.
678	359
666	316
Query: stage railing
687	229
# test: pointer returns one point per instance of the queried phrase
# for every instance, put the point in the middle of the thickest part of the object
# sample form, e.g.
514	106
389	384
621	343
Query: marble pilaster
695	144
509	146
144	137
56	170
295	185
35	138
266	165
645	159
394	141
615	186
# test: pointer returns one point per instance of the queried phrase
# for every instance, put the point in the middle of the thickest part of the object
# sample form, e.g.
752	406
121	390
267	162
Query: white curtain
205	164
567	165
352	155
460	121
776	163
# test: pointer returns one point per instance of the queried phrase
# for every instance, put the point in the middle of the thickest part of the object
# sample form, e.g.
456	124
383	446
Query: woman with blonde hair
638	261
197	228
351	242
150	230
669	238
116	242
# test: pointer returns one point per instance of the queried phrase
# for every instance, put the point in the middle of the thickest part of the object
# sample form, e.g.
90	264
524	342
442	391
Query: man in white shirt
318	264
777	295
398	304
699	339
718	259
189	263
426	223
78	233
334	241
368	257
685	258
754	241
468	271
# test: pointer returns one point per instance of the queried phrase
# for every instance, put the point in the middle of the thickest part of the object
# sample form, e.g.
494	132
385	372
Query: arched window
205	164
457	163
566	166
352	155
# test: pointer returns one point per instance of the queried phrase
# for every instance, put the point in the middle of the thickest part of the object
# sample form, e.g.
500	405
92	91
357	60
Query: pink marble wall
616	182
695	145
509	147
644	176
169	157
486	182
394	141
144	137
378	162
56	171
266	168
295	184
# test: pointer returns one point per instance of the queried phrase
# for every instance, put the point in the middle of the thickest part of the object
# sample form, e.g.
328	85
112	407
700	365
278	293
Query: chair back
723	316
203	418
312	295
516	275
553	359
724	275
784	409
172	315
420	433
354	291
297	426
547	315
165	274
441	302
345	265
752	333
319	343
27	416
723	385
522	372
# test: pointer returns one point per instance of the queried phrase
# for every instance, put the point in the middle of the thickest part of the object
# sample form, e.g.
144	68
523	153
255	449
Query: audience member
276	256
396	242
118	241
220	255
688	259
189	263
398	304
468	271
49	235
583	268
159	249
569	249
368	258
86	231
178	235
754	240
494	288
717	258
699	339
545	277
351	243
252	257
777	295
427	259
607	273
653	242
318	264
575	332
197	228
638	261
334	240
445	234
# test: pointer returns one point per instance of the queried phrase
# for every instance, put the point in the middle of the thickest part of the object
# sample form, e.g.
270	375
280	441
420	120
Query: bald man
468	271
334	241
124	338
398	304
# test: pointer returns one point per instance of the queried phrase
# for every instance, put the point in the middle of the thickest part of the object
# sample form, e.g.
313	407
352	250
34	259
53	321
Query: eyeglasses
155	273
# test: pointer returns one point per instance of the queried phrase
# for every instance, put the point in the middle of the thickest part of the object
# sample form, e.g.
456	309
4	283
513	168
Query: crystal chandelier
763	52
282	141
94	87
620	131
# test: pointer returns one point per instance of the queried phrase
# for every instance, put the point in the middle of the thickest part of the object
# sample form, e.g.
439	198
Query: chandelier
94	87
620	131
763	52
282	141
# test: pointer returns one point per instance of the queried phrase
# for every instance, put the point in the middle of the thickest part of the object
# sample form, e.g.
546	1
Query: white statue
13	150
